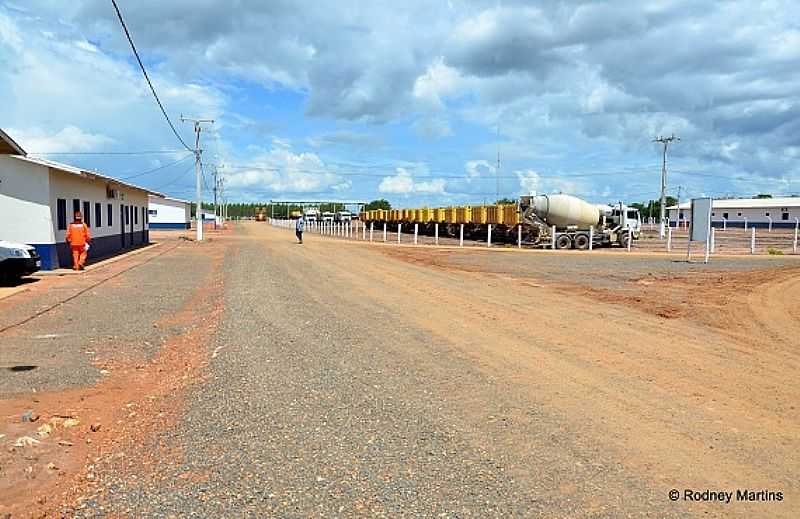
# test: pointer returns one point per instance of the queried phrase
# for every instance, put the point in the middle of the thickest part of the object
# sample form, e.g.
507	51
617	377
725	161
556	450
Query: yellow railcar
464	214
478	214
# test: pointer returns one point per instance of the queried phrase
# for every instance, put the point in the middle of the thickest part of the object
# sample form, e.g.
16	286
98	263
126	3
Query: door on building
122	224
133	219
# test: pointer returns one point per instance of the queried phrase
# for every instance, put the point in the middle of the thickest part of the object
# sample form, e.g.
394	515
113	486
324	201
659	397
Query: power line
159	188
143	173
148	152
144	71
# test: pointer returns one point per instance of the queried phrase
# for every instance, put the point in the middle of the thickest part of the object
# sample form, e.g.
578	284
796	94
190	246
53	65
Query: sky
413	101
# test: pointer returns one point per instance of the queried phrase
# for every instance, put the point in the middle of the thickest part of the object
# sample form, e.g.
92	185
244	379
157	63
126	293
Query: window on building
135	215
110	216
766	214
127	216
61	214
738	214
152	212
784	216
98	215
87	213
76	205
713	213
725	215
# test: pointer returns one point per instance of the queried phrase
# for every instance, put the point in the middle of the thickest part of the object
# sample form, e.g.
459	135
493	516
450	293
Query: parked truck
569	222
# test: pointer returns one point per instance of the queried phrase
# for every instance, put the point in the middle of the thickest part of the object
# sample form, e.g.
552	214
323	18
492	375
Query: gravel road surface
347	379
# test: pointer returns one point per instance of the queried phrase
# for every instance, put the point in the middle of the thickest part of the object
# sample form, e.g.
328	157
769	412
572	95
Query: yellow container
479	214
511	215
494	214
425	215
439	214
464	214
450	215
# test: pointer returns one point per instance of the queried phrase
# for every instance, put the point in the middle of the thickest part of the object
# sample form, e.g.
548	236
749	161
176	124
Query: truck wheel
624	238
563	242
582	241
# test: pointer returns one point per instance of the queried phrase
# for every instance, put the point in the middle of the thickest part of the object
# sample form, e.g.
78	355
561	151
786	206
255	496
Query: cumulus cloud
69	139
571	84
404	183
281	170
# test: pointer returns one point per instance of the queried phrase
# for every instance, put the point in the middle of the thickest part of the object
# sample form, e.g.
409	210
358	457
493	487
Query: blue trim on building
170	225
49	254
780	224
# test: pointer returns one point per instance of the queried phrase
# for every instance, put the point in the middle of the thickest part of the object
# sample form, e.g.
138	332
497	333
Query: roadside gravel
320	403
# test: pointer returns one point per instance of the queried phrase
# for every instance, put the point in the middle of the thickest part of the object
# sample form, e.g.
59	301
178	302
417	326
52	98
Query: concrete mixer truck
568	222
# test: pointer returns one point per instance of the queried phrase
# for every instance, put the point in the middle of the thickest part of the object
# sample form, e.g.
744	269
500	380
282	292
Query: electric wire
159	188
144	71
157	169
147	152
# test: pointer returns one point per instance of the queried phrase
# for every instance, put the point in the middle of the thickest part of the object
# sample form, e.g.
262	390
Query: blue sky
411	102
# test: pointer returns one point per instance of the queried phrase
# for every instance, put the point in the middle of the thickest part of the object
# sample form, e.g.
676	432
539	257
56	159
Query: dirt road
354	379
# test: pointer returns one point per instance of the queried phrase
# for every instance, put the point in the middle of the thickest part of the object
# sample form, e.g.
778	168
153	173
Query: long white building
169	213
734	212
39	197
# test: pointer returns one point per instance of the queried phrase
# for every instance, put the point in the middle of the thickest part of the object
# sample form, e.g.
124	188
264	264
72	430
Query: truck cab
343	216
327	216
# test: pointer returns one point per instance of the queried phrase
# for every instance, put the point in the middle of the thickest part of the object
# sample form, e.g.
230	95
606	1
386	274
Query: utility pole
497	170
198	214
665	141
216	188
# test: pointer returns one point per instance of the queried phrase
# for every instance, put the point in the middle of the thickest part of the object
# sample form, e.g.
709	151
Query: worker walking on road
298	229
78	238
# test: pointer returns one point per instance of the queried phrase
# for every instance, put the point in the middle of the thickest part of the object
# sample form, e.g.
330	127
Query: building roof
91	175
748	203
165	197
8	146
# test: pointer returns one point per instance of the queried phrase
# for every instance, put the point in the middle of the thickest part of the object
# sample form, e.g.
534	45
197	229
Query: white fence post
669	239
416	232
630	239
399	230
796	226
591	237
724	224
461	236
770	223
519	236
436	233
364	231
371	228
745	224
553	238
753	240
489	236
384	232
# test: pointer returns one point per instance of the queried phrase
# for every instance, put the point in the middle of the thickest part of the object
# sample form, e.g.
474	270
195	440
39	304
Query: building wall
736	216
107	239
24	202
169	214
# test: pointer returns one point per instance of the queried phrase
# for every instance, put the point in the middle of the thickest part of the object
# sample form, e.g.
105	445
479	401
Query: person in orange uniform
78	238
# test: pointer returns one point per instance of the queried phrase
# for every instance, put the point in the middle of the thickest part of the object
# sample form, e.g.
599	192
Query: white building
38	199
734	212
169	213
